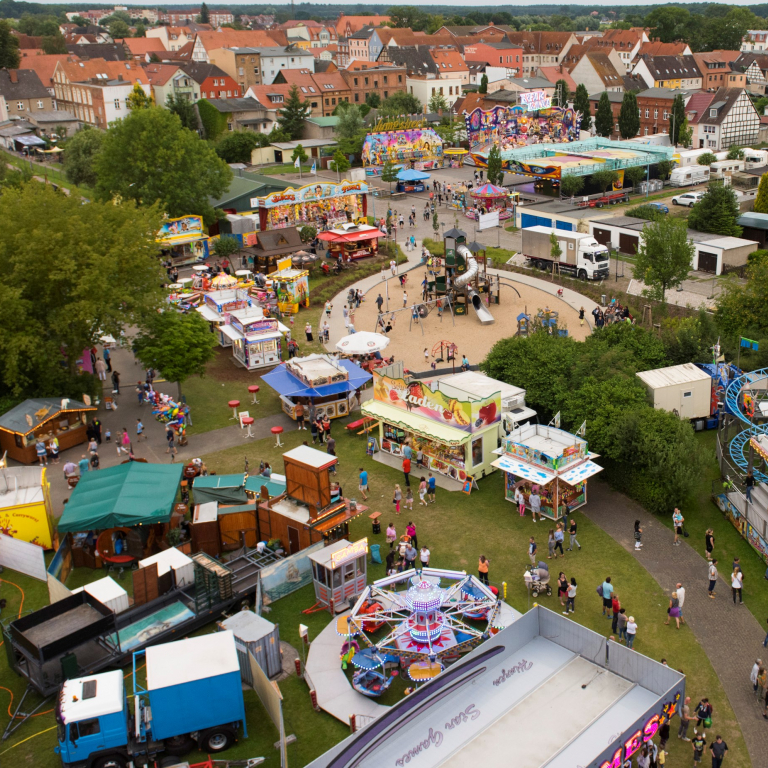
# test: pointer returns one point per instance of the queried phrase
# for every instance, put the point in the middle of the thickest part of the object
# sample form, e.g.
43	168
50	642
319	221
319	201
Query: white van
692	174
723	168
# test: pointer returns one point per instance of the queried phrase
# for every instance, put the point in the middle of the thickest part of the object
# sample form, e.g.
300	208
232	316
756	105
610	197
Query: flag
297	164
314	167
582	430
555	421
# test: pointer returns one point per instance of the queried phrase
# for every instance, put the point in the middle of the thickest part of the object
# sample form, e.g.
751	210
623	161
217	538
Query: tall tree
629	116
299	154
676	118
80	155
184	109
77	273
150	158
744	308
140	30
604	179
119	30
340	164
138	99
716	212
635	175
665	257
437	102
664	168
389	173
54	44
761	201
9	47
483	84
205	16
400	103
685	134
582	106
350	123
495	173
237	146
604	116
373	100
293	114
571	185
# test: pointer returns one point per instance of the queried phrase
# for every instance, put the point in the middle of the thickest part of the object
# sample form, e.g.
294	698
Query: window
385	79
39	104
255	70
713	113
240	71
655	114
357	97
355	81
399	78
334	101
20	106
433	91
647	112
117	104
88	727
215	82
366	81
327	102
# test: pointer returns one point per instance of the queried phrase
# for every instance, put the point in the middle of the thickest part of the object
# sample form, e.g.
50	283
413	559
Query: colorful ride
371	683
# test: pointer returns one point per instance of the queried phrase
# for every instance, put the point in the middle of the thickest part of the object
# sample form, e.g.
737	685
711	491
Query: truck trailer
193	699
580	254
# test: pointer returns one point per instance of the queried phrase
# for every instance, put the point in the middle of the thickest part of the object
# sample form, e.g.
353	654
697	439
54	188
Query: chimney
14	75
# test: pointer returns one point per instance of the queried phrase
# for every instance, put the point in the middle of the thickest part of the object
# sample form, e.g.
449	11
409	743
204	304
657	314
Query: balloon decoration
167	411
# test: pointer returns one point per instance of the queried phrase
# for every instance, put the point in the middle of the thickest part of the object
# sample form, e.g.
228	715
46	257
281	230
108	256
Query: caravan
722	168
689	175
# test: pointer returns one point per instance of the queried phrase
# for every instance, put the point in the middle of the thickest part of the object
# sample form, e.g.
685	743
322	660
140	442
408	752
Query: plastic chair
375	555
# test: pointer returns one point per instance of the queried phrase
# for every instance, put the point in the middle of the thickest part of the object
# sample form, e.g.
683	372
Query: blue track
740	444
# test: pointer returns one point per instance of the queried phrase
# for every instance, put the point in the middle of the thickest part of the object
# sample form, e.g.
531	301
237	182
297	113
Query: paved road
730	635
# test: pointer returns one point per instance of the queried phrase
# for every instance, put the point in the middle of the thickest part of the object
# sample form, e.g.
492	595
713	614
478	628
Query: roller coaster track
738	445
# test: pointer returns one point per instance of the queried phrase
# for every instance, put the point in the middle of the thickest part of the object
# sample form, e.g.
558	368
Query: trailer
79	636
580	254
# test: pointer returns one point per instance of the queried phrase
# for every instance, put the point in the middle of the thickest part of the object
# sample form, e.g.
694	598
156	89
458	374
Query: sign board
284	264
351	552
312	193
22	556
488	220
535	100
254	203
357	174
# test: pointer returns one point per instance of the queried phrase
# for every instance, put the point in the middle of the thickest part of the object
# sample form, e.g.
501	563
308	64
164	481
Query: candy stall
456	430
552	462
328	383
256	339
321	204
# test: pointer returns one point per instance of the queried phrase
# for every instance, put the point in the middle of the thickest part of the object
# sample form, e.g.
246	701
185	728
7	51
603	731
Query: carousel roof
489	190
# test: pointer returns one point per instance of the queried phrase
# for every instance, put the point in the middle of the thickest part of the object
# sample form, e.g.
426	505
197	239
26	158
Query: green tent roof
128	494
224	489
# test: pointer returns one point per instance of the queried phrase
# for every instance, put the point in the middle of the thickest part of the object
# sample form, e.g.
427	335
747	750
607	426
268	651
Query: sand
472	338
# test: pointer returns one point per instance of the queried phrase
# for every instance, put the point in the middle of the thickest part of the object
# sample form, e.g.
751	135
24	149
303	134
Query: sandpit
472	338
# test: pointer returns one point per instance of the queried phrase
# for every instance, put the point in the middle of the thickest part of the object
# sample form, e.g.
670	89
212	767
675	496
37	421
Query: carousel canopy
411	175
489	190
223	280
362	343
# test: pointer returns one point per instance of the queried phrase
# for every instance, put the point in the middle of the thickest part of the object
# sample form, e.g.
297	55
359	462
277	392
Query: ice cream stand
551	460
256	339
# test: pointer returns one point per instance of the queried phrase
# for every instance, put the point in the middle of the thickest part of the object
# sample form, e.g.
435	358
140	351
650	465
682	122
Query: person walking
308	331
607	592
363	483
407	471
680	599
116	382
101	369
391	535
703	715
84	465
410	530
405	299
482	569
677	522
409	498
615	608
737	583
431	488
572	533
709	542
718	749
685	719
698	744
42	453
424	555
328	308
398	495
53	448
570	602
749	482
108	359
673	612
411	553
559	538
581	316
562	587
532	550
535	501
713	581
320	429
140	431
171	438
520	501
631	631
753	675
551	543
638	536
422	492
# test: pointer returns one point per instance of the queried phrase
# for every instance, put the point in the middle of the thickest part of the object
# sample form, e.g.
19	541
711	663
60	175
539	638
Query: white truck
580	254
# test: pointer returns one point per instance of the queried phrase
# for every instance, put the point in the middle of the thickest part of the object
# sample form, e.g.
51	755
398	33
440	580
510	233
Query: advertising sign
488	220
312	193
535	100
185	227
354	550
419	144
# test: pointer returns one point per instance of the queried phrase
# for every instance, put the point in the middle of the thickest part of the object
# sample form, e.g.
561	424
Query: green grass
53	172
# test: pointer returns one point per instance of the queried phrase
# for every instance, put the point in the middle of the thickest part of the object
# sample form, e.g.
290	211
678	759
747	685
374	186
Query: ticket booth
340	574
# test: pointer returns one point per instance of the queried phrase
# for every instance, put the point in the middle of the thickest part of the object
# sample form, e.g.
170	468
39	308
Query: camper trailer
723	168
689	175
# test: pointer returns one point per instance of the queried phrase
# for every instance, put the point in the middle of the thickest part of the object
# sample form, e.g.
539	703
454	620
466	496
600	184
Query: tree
79	20
437	103
562	94
176	345
140	30
80	155
300	155
664	168
9	47
483	84
629	116
373	100
119	30
205	16
400	103
435	223
307	233
150	158
277	134
389	173
604	116
735	153
571	185
184	109
706	159
225	246
555	251
744	308
138	99
350	123
448	129
581	105
79	272
604	179
761	201
635	174
340	164
236	146
676	118
665	256
495	173
685	134
716	212
54	44
293	114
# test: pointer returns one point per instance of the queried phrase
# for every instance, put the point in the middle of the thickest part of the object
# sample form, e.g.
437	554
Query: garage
603	236
529	220
628	243
707	262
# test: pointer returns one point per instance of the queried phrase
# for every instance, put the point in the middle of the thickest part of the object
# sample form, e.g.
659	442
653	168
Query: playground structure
420	629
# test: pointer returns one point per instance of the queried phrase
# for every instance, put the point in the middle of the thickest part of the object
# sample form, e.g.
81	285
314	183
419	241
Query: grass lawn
53	171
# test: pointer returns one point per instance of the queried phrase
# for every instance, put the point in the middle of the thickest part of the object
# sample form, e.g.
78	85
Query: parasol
489	190
362	343
410	175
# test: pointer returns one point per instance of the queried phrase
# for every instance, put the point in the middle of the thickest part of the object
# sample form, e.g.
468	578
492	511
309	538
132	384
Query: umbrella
362	343
299	259
409	175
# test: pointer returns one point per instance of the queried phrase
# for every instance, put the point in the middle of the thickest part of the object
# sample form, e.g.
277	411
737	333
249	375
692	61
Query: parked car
661	207
687	198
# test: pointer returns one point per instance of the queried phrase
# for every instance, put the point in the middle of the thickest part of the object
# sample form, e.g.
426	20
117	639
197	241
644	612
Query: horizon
353	3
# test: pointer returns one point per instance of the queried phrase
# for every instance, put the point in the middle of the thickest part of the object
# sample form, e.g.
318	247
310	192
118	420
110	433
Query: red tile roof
44	64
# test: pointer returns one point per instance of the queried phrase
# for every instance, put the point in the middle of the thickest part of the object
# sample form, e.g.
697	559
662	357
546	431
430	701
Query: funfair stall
256	339
551	461
489	198
456	430
216	307
321	204
330	385
183	239
406	142
290	286
340	573
352	241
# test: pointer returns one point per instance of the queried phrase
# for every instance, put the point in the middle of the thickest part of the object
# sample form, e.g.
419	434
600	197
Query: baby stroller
537	579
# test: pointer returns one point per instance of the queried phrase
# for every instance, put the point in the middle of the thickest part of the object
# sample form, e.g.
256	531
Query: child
108	437
409	498
94	461
638	536
397	498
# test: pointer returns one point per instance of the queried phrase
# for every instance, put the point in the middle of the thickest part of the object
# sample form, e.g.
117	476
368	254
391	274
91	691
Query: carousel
489	198
455	156
419	622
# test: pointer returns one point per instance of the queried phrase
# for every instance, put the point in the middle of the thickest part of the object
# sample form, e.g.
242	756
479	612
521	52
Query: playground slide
483	313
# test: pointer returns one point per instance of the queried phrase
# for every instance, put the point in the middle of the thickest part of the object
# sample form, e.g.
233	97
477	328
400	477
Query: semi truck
193	699
580	254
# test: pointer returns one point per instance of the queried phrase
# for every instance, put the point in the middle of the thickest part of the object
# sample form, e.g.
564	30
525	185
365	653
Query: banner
185	227
312	193
535	100
488	220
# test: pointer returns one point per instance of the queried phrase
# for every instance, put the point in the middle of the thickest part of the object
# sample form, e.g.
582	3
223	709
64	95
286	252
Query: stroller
537	579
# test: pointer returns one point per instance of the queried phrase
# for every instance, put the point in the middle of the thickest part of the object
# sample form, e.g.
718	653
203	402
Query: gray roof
27	85
200	70
532	82
613	96
15	420
276	50
754	220
17	129
666	93
416	60
106	51
365	33
52	116
671	67
238	105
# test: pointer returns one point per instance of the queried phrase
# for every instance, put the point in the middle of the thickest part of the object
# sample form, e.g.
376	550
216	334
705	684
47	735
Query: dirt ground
472	338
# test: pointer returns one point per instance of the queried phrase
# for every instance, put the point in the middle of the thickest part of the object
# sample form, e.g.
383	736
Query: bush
307	234
757	256
645	212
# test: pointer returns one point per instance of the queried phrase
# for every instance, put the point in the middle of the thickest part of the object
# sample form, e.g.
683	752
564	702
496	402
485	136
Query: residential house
342	55
242	64
542	48
723	118
142	48
625	42
407	38
268	61
105	51
416	60
657	48
717	70
213	82
362	79
365	44
424	87
177	16
236	38
171	38
655	106
553	74
668	71
56	123
246	114
93	16
272	98
320	127
450	64
755	68
600	71
171	81
334	90
497	77
615	98
503	55
23	93
317	88
311	34
44	65
323	65
346	26
755	41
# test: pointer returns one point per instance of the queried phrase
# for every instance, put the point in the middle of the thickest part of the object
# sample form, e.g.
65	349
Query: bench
365	423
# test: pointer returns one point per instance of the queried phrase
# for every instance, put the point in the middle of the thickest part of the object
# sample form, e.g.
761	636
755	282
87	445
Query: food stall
456	430
352	241
256	339
330	384
216	307
43	418
291	287
455	156
553	461
183	239
321	204
409	180
488	198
